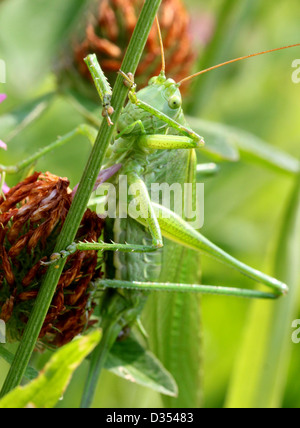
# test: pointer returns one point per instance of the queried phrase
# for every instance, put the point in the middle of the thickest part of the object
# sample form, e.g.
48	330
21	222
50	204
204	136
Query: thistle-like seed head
31	217
107	31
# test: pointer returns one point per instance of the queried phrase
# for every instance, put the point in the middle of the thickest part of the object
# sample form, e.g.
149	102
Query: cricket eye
175	102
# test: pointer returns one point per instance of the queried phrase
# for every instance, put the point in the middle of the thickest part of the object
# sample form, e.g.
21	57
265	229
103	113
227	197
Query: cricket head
163	94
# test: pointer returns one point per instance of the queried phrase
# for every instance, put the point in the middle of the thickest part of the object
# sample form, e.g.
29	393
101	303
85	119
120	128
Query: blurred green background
244	204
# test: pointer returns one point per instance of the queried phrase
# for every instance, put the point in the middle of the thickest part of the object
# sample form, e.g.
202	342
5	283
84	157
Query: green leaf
132	362
253	149
245	145
12	123
218	144
173	323
30	373
46	390
265	351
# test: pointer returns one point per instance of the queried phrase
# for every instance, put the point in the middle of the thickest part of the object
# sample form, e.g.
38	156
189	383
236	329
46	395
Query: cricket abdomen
135	266
147	267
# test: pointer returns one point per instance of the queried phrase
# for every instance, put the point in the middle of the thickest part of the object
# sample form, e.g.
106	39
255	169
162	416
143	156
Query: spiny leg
178	230
172	123
159	141
102	86
84	130
185	288
99	246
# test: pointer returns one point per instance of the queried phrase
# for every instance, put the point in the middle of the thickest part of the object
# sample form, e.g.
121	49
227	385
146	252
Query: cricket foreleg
185	288
85	130
102	86
178	230
131	127
172	123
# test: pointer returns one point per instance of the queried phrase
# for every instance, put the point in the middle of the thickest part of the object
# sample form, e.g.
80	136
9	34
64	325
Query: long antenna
163	61
235	60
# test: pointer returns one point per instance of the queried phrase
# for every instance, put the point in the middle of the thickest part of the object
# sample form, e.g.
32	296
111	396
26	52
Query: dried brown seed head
31	219
109	30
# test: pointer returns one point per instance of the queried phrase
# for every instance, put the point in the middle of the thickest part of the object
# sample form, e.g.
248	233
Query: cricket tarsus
128	80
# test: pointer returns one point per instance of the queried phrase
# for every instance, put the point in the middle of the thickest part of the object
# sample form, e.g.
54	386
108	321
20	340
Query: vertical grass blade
259	376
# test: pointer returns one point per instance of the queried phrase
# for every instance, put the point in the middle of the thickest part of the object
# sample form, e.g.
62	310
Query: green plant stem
270	390
80	202
117	311
111	329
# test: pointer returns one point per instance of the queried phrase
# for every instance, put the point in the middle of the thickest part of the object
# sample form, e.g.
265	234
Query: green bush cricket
152	131
152	128
160	103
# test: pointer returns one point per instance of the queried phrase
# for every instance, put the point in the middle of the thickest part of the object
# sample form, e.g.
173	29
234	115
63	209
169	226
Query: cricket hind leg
180	231
186	288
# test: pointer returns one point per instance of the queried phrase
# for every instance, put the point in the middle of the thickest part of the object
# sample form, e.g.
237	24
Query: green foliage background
244	204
